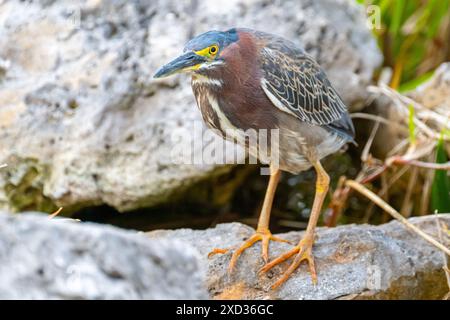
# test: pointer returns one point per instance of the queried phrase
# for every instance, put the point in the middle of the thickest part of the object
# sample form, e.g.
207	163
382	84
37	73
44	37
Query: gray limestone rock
352	261
60	259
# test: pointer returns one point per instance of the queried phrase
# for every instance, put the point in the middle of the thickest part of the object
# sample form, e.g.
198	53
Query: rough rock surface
435	93
82	122
352	261
56	259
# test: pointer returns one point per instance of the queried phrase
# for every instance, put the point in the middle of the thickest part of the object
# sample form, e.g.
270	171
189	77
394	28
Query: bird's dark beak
187	61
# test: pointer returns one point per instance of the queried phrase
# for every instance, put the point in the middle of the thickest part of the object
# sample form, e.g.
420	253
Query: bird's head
202	53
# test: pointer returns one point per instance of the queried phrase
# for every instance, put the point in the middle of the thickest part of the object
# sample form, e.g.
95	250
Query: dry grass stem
54	214
373	133
368	116
386	207
422	115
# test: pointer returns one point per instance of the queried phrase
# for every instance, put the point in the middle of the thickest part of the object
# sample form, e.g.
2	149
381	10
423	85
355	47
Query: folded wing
296	84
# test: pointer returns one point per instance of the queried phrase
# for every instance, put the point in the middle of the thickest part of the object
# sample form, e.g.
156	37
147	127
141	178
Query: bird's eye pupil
213	49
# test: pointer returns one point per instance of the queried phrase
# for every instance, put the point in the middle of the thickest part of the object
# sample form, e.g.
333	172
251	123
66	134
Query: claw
279	260
304	252
264	236
217	251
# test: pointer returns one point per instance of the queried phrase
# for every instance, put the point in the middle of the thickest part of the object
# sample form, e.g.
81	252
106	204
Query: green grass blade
440	191
397	16
413	84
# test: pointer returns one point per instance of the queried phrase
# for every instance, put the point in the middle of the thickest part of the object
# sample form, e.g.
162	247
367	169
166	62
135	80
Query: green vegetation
441	184
414	37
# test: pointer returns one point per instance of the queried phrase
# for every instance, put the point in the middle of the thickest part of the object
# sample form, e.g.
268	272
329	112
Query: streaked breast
206	92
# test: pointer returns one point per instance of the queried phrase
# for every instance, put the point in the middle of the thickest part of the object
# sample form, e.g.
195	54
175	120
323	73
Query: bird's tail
344	127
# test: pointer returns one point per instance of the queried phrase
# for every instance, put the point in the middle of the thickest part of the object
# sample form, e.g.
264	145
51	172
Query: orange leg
263	233
303	250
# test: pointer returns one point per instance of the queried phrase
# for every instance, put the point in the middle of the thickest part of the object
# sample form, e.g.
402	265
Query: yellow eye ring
213	50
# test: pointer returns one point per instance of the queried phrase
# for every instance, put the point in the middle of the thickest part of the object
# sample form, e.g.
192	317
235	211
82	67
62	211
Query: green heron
246	79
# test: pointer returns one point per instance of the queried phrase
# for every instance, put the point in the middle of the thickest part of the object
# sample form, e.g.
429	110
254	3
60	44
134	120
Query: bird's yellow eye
213	50
209	52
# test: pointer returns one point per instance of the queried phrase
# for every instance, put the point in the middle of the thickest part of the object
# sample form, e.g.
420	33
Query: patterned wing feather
296	84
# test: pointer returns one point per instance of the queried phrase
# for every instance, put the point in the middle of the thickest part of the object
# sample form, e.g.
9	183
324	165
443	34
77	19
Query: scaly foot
264	236
304	252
